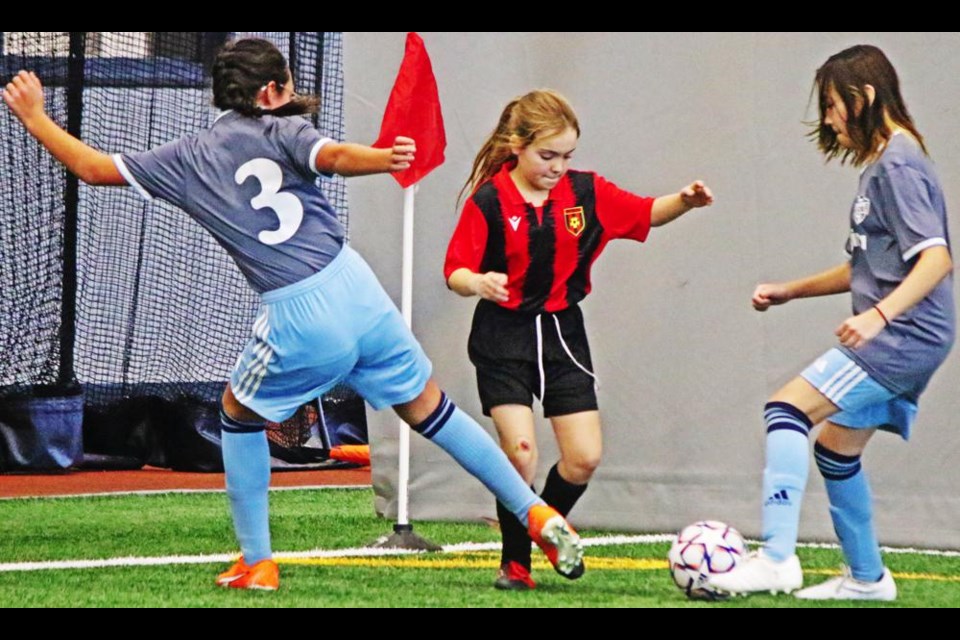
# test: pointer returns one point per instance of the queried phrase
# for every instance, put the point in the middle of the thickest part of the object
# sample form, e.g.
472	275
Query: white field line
160	492
372	552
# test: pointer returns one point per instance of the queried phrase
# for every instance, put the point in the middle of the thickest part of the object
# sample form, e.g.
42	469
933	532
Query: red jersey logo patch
574	221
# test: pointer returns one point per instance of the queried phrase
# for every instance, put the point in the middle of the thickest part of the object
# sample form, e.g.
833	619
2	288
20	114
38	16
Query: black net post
292	55
68	309
318	83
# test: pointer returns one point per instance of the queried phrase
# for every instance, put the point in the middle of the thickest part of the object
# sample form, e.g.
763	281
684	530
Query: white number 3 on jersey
287	206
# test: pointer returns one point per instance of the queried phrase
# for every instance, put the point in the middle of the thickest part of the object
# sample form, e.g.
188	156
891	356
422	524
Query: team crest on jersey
861	209
574	220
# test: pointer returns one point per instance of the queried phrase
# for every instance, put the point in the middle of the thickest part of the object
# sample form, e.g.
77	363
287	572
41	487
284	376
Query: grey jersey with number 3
251	182
899	211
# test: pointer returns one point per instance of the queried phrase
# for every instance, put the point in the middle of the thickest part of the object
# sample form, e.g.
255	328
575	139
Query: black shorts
503	348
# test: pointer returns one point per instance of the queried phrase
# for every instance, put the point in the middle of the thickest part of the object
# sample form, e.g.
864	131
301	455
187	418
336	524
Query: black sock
516	540
560	494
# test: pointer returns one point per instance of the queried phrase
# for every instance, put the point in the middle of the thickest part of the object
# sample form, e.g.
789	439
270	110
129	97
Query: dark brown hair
243	68
849	72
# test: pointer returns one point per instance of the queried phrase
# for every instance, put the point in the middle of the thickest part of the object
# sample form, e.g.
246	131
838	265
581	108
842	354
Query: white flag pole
415	68
406	308
403	536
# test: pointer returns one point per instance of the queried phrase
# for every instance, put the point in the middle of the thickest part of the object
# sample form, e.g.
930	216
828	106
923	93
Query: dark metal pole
293	58
318	85
71	202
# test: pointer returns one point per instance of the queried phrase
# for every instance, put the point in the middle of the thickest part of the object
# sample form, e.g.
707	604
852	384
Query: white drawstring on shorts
543	378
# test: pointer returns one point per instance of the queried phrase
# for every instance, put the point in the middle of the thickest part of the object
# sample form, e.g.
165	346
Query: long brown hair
849	72
240	71
542	112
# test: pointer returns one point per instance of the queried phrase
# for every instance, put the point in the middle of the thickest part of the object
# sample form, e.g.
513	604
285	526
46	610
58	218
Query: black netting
32	188
161	311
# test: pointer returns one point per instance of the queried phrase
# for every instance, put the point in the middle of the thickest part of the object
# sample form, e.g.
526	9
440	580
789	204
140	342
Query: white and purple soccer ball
703	549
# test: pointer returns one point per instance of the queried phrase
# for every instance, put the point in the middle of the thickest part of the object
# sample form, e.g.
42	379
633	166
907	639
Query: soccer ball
703	549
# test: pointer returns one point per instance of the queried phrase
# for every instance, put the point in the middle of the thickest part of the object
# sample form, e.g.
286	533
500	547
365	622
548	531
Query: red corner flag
413	110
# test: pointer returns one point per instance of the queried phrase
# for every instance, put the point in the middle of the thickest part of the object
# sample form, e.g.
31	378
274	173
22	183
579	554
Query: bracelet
882	315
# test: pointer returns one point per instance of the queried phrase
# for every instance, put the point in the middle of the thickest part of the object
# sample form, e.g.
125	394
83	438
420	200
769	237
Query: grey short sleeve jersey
900	211
251	182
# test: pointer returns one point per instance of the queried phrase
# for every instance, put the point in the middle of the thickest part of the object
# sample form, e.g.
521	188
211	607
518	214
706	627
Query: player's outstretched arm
829	282
670	207
349	159
24	97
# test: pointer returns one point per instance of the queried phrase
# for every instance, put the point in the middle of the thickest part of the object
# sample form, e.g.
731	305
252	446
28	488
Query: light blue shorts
338	325
864	403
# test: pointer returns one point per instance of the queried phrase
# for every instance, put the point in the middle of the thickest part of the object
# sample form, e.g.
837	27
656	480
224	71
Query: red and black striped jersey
547	251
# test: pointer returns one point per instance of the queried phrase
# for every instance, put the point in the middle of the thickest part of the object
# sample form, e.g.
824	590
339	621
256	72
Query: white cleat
758	573
846	587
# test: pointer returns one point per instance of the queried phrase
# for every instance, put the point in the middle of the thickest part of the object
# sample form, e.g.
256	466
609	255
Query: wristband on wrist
882	315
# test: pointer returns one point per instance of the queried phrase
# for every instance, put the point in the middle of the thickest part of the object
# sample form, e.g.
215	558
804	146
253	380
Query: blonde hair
540	113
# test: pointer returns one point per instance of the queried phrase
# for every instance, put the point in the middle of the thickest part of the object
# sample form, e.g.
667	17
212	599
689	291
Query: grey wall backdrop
685	364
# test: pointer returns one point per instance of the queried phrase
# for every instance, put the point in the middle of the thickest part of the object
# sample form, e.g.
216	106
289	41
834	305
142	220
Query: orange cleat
264	575
558	540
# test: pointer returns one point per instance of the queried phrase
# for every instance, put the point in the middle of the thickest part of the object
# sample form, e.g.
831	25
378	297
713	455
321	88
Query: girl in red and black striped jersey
527	237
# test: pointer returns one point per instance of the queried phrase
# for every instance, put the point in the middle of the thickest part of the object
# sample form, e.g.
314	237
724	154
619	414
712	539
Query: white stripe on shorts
250	379
260	325
251	382
843	381
255	383
842	372
857	379
255	366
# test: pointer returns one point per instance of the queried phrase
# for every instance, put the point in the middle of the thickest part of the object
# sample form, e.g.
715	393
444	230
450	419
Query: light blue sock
784	478
851	508
459	435
246	461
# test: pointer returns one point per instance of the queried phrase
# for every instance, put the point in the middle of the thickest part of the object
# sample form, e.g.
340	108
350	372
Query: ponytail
540	113
243	68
